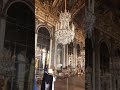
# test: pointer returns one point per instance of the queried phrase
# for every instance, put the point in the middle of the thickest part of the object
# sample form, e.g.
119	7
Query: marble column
50	53
55	54
53	51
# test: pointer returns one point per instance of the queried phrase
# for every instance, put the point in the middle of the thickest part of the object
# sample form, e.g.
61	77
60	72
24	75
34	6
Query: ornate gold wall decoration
79	36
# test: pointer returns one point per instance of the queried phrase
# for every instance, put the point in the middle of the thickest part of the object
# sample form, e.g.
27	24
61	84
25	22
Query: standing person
50	79
44	78
46	69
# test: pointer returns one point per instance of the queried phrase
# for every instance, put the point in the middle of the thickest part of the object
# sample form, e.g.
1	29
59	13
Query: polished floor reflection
72	83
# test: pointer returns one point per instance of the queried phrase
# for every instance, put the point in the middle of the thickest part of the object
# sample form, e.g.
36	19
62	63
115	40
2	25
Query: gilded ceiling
75	7
59	5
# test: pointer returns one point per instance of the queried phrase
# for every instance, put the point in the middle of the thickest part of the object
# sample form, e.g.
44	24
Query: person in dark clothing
43	81
44	78
48	81
46	68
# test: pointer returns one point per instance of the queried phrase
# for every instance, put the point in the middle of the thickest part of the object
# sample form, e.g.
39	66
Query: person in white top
49	81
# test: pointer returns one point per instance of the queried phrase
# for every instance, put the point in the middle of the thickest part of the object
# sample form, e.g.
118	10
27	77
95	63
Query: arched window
20	36
43	42
19	32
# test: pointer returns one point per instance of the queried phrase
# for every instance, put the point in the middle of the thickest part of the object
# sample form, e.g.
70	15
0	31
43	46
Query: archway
104	58
19	32
43	42
20	40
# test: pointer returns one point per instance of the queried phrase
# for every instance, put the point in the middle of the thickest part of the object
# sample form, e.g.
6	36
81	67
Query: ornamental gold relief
79	36
43	14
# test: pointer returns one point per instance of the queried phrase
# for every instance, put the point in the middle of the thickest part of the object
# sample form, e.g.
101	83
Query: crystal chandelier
64	33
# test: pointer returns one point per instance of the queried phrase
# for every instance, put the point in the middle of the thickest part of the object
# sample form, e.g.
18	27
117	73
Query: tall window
19	32
20	37
43	42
